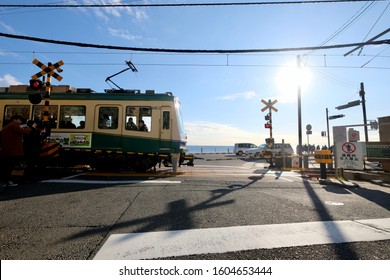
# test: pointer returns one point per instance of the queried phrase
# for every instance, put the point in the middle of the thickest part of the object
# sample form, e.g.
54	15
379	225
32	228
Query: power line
374	25
180	54
348	23
88	45
312	67
181	4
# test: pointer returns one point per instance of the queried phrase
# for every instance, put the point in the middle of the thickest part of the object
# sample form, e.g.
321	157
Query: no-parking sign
349	155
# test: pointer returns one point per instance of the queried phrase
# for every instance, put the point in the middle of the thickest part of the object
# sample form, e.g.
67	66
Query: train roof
66	92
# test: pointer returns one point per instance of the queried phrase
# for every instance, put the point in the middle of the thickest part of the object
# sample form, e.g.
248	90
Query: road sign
269	105
48	70
339	134
323	156
353	135
348	148
350	155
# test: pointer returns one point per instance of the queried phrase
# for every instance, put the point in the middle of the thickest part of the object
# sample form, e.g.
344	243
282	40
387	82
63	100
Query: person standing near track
11	148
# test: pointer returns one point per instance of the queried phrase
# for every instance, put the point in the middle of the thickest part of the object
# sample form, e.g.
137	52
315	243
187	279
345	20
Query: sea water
204	149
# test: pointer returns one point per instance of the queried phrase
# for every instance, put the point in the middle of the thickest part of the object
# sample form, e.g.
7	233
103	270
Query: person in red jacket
11	148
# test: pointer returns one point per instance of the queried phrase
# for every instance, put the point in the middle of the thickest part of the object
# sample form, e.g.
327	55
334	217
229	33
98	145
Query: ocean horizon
209	149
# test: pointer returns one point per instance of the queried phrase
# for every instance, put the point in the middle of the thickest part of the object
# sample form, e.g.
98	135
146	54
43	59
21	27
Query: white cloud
122	33
209	133
7	80
109	12
247	95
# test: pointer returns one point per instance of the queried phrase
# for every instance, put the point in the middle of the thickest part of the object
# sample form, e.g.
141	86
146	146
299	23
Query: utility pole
327	127
299	115
362	95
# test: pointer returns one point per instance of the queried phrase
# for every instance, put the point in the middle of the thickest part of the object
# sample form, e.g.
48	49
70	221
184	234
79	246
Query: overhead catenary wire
312	67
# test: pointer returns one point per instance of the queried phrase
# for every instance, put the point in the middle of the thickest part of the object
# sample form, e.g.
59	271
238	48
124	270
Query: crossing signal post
268	125
34	83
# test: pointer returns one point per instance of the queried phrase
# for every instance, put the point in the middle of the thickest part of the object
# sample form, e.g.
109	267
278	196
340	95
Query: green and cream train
104	130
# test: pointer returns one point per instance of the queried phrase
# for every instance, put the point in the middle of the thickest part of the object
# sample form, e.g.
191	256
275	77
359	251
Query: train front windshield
180	119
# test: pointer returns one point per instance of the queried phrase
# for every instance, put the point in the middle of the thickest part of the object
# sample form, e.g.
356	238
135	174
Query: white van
277	149
265	149
240	148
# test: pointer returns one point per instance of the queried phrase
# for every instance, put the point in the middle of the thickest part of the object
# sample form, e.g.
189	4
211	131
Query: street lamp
357	103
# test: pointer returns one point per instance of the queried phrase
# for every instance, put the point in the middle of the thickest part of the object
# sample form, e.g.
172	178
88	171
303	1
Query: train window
72	116
134	116
10	110
166	117
108	117
38	111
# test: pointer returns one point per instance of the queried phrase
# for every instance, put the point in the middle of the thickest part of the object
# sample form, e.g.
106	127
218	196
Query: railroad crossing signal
48	69
34	83
268	118
269	105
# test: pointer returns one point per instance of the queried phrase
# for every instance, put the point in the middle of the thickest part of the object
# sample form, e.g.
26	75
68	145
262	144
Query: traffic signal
374	125
268	125
36	84
323	133
268	117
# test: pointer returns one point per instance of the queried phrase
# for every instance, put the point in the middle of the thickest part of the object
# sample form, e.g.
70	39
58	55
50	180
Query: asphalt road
71	216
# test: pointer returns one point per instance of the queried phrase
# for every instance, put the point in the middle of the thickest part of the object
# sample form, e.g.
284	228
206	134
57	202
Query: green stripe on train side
134	144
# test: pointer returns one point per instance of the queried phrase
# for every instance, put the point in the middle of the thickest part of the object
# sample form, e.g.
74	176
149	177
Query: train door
108	127
165	127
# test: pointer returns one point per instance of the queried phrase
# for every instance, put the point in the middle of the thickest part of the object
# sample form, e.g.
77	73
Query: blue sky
220	93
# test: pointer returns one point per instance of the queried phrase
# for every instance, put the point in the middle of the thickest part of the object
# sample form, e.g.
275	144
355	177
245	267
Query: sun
287	80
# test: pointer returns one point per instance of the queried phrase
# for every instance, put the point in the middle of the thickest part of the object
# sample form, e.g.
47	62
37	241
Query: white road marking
220	166
118	182
161	244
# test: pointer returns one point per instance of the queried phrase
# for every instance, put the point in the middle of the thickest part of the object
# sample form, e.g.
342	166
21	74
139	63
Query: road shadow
333	231
178	215
61	183
378	197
